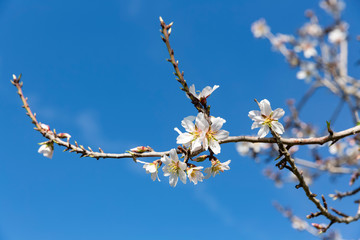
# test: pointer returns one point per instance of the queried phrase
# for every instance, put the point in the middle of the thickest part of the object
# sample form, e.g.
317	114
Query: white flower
307	71
204	94
337	36
307	47
266	118
195	175
174	168
312	29
195	135
151	168
47	149
201	134
216	168
259	28
214	134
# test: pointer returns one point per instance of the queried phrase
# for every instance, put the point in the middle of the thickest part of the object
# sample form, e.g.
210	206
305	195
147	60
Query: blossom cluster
308	50
175	169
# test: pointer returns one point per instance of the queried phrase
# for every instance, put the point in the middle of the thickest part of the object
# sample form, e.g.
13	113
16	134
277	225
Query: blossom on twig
204	94
216	168
47	149
201	134
307	71
195	175
195	135
152	168
174	168
260	29
266	119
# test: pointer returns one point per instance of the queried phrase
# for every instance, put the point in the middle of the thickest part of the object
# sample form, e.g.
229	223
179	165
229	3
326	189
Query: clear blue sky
97	70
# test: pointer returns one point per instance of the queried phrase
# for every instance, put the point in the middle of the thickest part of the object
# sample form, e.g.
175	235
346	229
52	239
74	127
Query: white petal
255	115
265	107
217	123
278	127
196	144
192	91
215	146
225	165
165	160
301	74
182	166
256	125
182	176
201	122
173	155
184	138
188	124
173	179
221	135
264	130
278	113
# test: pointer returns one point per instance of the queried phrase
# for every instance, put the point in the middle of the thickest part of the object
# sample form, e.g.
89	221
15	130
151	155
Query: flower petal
278	113
215	146
188	124
264	130
216	123
278	127
221	135
184	138
256	125
265	107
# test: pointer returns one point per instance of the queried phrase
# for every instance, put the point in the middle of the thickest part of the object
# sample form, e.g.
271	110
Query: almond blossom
47	149
307	71
196	133
216	168
337	36
152	168
307	47
201	134
214	134
195	175
266	119
174	168
204	94
260	29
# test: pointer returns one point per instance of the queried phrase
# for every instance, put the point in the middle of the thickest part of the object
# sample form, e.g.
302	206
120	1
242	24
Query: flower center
173	167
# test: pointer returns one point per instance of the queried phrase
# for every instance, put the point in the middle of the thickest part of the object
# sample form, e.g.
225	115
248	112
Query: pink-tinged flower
45	127
174	168
307	71
312	29
266	118
152	168
216	168
337	36
260	29
47	149
195	134
307	47
214	134
204	94
141	149
195	175
64	135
